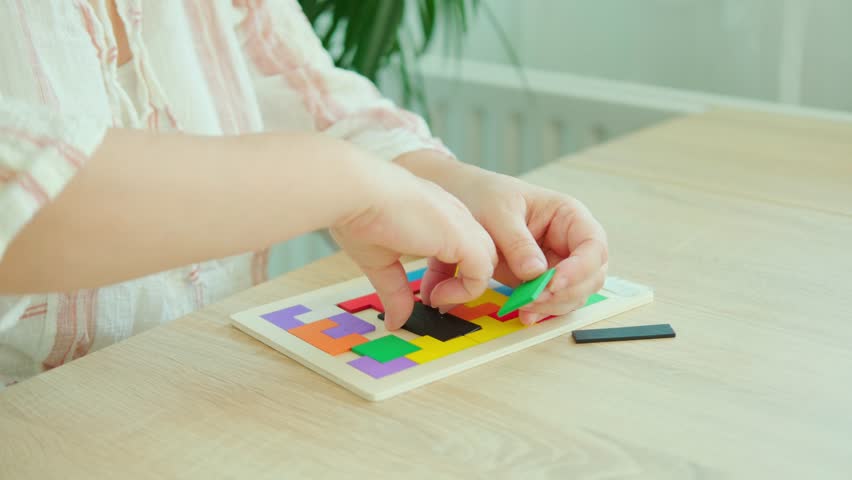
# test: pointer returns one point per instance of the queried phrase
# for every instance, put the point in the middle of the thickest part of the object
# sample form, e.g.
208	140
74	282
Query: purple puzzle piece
286	318
348	324
378	370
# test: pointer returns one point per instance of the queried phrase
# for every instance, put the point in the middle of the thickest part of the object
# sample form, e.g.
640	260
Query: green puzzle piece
597	297
526	293
385	349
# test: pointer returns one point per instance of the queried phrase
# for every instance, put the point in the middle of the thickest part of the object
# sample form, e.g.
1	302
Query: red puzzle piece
516	314
372	300
508	316
362	303
471	313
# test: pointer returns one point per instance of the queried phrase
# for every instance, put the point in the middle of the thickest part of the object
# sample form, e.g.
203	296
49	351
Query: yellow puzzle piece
490	296
431	348
492	329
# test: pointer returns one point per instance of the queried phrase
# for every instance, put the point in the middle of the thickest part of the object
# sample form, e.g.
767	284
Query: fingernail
533	265
532	318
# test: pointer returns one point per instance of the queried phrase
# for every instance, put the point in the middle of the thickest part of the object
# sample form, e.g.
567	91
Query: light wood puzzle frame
622	296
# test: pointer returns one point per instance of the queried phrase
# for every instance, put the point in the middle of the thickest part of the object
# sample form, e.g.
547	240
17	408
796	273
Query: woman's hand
406	215
533	228
148	202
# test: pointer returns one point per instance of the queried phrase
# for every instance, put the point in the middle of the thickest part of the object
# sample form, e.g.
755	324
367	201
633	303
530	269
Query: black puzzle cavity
425	320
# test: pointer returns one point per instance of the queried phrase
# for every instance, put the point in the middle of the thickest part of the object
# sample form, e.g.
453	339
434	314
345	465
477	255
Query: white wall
792	51
827	56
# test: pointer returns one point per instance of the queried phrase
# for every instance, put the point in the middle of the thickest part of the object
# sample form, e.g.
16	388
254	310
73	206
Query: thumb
523	255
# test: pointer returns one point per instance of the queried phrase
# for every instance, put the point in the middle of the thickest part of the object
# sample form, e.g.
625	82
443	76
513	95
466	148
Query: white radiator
489	117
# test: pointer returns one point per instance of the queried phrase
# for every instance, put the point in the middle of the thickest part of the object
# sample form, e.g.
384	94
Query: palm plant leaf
364	35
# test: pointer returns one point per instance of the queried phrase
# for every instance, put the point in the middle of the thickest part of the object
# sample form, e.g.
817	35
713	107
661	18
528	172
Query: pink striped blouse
199	66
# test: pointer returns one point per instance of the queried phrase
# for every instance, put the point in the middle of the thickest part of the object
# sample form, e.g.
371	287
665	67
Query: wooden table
741	221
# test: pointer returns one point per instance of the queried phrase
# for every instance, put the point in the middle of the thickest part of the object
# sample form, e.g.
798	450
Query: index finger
576	234
572	225
585	261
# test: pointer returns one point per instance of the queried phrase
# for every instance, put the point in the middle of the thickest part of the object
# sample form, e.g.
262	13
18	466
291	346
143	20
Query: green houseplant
366	35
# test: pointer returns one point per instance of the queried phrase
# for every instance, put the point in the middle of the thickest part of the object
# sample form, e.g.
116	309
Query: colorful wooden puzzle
337	332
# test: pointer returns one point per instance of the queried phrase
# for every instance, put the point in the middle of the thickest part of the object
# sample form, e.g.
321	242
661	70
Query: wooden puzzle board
292	324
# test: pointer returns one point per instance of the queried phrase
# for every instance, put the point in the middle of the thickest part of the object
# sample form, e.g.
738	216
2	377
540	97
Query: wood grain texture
751	268
771	158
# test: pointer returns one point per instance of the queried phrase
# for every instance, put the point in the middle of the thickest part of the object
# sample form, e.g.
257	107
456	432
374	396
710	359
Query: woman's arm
148	202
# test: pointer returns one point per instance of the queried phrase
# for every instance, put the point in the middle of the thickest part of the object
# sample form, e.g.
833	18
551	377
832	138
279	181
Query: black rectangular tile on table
425	320
642	332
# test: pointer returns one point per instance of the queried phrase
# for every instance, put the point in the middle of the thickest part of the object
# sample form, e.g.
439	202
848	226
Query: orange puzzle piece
469	313
312	333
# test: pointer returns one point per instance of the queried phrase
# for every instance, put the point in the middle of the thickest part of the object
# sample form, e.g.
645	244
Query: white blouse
199	66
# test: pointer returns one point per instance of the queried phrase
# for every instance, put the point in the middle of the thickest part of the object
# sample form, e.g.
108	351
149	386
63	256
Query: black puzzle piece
641	332
425	320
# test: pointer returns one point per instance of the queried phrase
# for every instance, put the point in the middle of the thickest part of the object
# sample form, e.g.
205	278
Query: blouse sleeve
40	151
294	75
